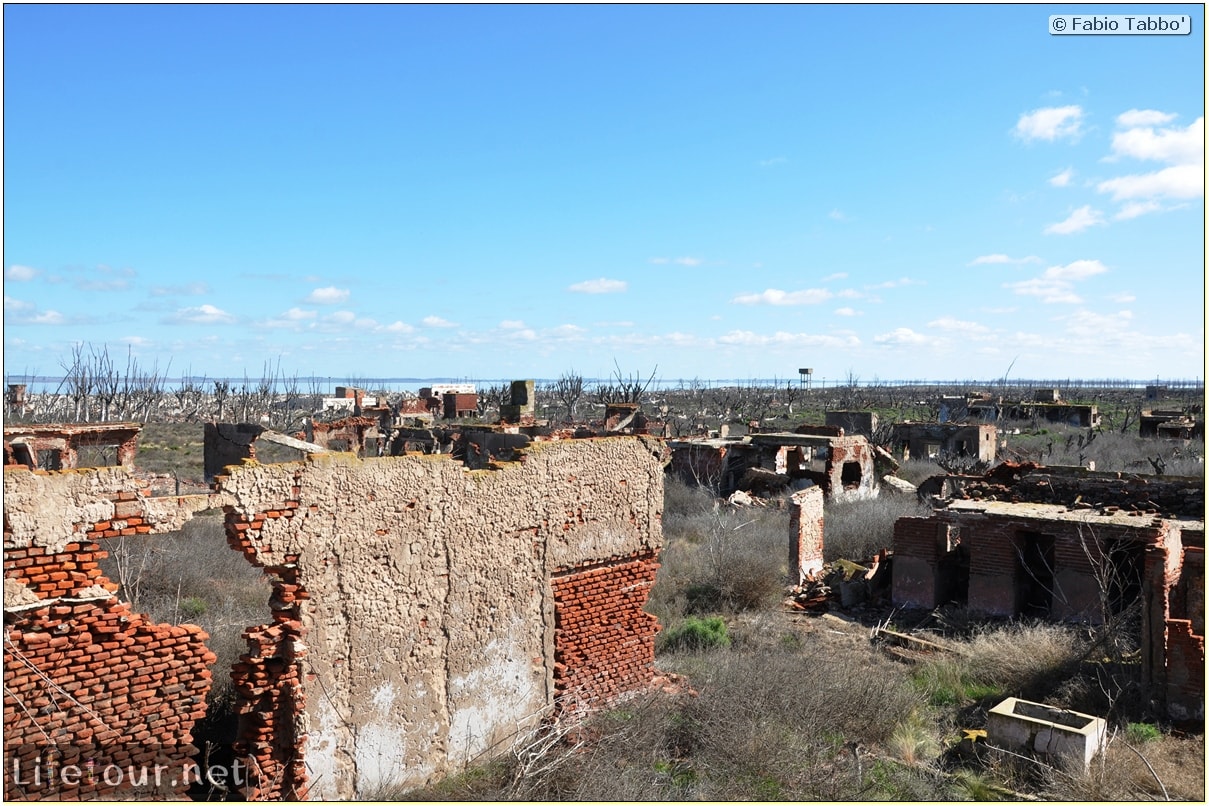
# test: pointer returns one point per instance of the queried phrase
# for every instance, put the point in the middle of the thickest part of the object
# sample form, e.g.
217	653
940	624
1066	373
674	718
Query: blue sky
505	191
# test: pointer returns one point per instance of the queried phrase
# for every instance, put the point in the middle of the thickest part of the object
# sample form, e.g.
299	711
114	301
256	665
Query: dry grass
857	530
194	577
1176	771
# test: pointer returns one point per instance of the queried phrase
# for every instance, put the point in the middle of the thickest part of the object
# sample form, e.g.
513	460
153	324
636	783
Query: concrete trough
1020	725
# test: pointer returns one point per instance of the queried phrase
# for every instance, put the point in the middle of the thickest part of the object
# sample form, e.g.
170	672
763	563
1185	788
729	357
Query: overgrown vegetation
797	708
194	577
788	707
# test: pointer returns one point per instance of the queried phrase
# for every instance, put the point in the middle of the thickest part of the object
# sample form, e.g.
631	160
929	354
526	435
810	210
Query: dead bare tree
568	390
222	391
494	396
628	389
78	381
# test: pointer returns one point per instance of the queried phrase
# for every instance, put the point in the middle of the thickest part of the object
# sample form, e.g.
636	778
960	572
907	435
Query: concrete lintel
290	442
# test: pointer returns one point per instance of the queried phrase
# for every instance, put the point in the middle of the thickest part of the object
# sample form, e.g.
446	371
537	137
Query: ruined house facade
421	613
843	467
1171	424
931	440
60	446
1084	546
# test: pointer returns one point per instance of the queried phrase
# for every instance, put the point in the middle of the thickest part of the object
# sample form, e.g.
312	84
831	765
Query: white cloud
15	305
136	341
846	312
957	325
1001	258
436	321
1056	284
20	273
1135	209
1176	182
1050	291
399	327
1093	325
839	275
567	332
600	286
1050	123
48	318
186	290
1076	270
1061	180
679	261
747	338
1174	146
775	296
1183	149
341	317
298	315
1123	298
201	315
1143	117
897	283
328	296
512	324
1078	221
521	334
837	215
901	335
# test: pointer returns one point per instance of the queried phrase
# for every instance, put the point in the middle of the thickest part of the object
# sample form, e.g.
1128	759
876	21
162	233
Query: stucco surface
427	619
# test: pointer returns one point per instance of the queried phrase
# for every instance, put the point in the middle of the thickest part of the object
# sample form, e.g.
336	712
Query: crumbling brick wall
89	685
851	475
806	534
1083	548
603	640
416	604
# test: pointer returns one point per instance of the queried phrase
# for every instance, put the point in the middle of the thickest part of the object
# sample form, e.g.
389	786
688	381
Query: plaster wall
414	615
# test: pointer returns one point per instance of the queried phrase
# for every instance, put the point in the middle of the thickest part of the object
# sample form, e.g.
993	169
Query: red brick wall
269	677
1185	671
88	680
604	642
806	534
917	550
54	575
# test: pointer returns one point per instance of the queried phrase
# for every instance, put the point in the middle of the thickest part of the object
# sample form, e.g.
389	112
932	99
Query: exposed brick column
270	696
604	642
806	534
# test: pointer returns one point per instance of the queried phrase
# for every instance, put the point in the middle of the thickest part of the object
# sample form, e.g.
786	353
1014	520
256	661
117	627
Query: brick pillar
805	534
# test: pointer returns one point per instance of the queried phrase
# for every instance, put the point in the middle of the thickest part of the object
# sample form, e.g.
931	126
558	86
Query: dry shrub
720	560
856	530
918	471
194	577
767	725
776	723
680	499
1024	657
1121	773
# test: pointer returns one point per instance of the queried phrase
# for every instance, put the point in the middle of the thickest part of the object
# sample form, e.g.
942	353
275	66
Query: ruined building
64	446
1073	545
843	466
422	612
1172	424
861	422
932	440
